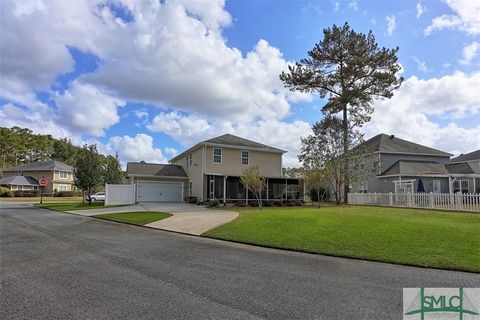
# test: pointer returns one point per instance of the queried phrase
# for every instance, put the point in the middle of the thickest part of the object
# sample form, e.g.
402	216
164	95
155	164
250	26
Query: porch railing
438	201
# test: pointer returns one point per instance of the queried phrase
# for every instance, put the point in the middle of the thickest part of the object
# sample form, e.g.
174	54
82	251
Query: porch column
450	185
267	188
224	189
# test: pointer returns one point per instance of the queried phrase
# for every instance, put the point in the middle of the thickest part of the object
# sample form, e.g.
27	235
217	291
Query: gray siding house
401	166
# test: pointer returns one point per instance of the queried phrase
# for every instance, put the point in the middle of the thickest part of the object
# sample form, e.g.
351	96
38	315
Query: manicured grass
45	199
141	218
447	240
72	206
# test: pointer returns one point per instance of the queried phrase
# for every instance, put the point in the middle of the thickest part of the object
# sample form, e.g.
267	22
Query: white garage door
159	191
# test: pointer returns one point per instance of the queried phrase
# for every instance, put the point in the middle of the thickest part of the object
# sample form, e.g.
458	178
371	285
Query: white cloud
336	6
421	65
391	24
470	52
353	5
171	152
450	97
137	148
192	128
420	9
466	17
86	109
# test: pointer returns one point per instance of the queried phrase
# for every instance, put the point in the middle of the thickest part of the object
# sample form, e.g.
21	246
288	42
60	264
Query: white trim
213	155
133	176
241	158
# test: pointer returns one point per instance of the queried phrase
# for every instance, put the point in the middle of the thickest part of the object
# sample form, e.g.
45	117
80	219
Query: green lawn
140	218
72	206
45	199
447	240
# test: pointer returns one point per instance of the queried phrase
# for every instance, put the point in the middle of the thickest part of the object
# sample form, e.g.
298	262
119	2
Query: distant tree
351	71
64	151
112	171
252	181
88	170
324	150
292	172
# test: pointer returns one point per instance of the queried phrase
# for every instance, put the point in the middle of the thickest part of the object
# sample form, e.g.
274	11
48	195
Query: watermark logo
441	303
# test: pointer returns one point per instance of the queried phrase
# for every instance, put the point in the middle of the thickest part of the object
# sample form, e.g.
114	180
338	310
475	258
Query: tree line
20	146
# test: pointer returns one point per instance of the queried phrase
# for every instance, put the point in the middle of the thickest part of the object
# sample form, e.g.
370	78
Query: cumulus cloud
192	128
391	24
470	52
466	18
86	109
408	114
137	148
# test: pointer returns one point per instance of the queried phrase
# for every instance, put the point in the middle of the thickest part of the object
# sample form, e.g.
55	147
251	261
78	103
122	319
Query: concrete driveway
186	218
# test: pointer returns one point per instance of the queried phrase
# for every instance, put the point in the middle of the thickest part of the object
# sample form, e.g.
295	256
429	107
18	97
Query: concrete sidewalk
186	218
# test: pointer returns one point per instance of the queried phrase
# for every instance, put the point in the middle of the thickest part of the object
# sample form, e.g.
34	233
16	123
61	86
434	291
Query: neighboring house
211	169
25	177
400	166
468	164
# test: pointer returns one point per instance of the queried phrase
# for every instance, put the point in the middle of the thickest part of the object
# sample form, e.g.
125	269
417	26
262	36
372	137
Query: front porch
229	189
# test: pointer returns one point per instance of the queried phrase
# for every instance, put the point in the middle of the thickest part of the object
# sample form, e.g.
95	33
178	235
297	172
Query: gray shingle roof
42	166
474	155
231	140
155	169
460	168
19	181
391	144
408	167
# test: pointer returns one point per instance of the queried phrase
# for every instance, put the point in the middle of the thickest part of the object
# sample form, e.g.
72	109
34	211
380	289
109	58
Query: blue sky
147	79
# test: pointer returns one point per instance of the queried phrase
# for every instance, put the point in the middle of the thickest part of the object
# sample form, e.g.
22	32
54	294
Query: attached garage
159	191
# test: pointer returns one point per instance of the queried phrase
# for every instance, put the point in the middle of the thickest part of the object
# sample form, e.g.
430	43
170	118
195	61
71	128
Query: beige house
26	177
211	170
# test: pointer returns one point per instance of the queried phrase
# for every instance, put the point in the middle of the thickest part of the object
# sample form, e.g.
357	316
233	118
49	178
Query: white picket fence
437	201
119	194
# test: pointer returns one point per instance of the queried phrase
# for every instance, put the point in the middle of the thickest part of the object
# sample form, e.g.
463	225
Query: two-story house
468	166
400	166
26	177
211	169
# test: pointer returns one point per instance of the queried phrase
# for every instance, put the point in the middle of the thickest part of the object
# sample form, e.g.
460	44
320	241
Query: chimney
392	136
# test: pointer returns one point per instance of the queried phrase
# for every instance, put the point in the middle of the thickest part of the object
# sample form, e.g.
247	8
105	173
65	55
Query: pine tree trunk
346	183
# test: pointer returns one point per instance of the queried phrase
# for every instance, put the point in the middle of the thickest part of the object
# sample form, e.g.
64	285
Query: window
35	187
190	159
460	186
377	166
217	155
363	187
245	157
186	161
62	187
63	174
190	188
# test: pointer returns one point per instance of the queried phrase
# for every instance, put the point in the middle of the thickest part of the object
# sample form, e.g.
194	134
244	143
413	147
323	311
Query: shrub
64	194
6	193
253	203
212	203
26	193
278	203
267	203
192	200
241	204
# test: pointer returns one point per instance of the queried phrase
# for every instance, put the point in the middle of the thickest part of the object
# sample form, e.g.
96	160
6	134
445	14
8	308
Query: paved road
63	266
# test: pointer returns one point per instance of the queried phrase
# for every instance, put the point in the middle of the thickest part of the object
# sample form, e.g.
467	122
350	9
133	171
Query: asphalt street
63	266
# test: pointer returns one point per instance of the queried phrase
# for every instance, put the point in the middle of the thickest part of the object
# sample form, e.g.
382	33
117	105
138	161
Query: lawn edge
334	255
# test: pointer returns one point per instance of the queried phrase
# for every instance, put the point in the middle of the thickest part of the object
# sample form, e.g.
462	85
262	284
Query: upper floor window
190	159
245	157
217	155
63	174
186	161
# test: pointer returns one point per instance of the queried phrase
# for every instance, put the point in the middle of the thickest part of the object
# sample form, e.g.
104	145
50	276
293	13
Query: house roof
474	155
412	168
19	181
384	143
155	169
460	168
232	141
42	166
